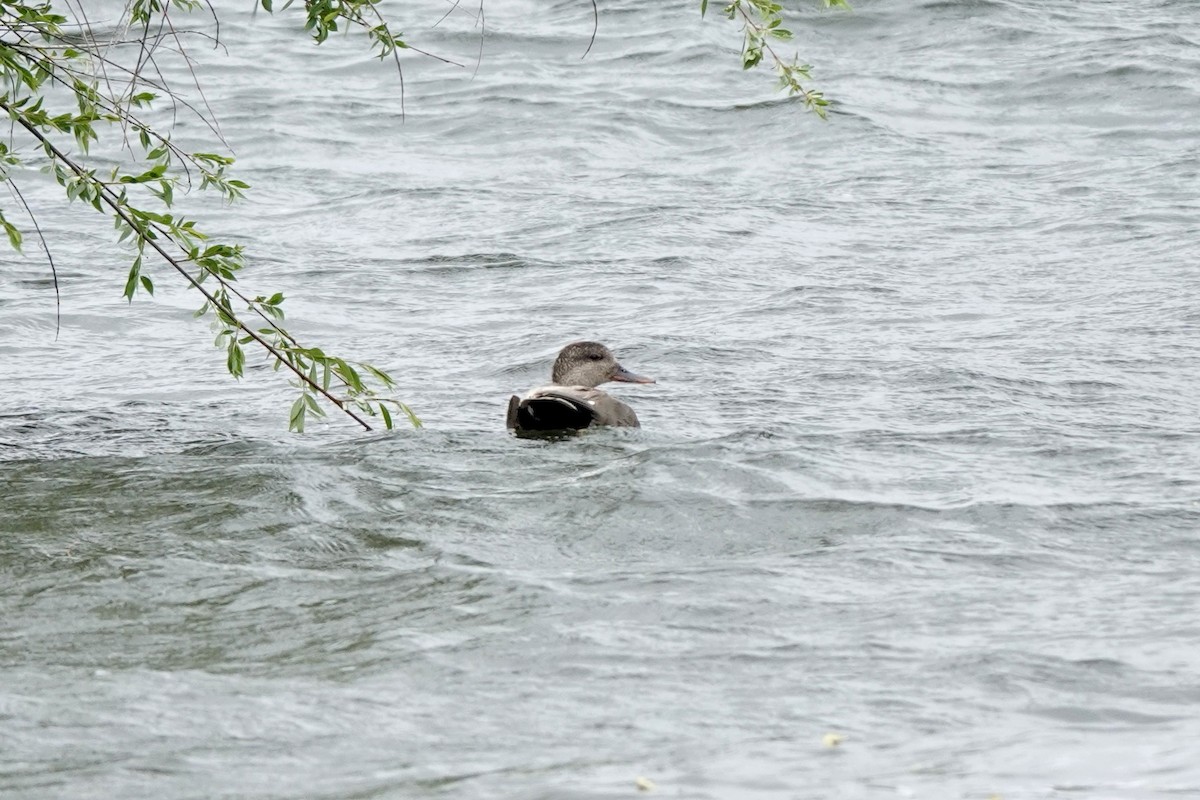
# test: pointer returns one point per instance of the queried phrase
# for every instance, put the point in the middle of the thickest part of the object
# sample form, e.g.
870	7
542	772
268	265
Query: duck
572	402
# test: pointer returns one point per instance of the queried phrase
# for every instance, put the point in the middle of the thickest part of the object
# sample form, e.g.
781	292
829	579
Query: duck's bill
625	375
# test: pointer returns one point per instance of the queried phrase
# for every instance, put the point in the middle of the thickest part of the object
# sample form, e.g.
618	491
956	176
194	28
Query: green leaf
151	174
148	285
412	418
213	158
348	374
14	235
383	377
387	416
296	419
313	405
236	360
132	284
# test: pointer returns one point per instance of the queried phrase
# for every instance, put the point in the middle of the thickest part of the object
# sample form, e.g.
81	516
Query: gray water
922	467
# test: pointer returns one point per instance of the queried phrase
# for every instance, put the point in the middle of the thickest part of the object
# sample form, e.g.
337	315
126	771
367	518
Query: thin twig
358	17
47	60
479	19
434	56
442	19
216	126
135	74
595	28
46	247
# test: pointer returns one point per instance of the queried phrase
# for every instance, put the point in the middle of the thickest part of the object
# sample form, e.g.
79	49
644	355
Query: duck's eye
595	357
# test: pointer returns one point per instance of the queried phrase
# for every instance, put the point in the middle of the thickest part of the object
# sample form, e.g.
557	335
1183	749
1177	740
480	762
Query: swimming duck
572	401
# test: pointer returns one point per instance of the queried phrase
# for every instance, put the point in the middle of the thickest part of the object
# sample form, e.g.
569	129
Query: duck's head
590	364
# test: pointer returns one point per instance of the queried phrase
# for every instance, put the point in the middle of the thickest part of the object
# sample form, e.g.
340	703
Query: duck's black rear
549	413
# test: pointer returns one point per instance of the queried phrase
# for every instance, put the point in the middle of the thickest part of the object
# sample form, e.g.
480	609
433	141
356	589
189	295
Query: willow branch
109	199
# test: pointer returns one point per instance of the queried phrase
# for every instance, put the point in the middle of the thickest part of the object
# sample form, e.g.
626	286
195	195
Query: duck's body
557	408
572	401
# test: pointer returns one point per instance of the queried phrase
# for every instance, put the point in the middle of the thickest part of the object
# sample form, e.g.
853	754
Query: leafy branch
762	23
37	55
